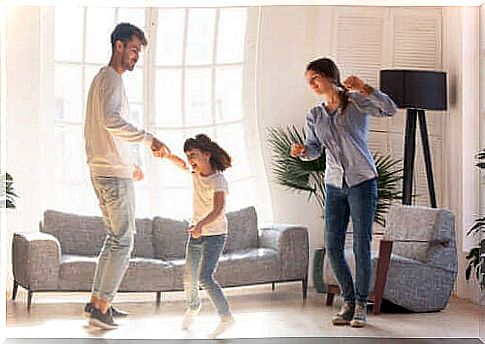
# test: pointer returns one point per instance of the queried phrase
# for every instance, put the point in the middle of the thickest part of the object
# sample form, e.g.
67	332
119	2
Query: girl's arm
313	148
217	209
369	100
177	161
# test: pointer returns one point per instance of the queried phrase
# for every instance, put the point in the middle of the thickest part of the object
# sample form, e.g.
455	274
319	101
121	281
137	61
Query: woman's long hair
219	160
327	68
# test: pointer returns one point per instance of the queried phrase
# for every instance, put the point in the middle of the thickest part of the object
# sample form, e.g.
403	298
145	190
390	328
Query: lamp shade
415	88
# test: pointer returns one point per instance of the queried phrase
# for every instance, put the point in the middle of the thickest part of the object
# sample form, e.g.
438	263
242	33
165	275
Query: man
107	138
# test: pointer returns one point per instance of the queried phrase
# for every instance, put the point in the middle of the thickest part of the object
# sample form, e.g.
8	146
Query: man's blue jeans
359	203
117	202
201	261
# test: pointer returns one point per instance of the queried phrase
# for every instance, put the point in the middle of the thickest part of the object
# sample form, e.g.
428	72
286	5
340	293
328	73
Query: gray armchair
417	262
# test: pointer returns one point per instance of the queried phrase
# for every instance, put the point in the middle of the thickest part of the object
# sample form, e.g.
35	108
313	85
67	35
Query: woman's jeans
117	202
359	203
201	260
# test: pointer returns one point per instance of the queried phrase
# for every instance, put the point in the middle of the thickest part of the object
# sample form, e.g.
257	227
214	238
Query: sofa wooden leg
329	301
29	300
159	296
385	249
331	291
272	286
15	288
304	287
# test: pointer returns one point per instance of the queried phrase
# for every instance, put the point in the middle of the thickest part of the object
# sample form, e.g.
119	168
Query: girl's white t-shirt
204	188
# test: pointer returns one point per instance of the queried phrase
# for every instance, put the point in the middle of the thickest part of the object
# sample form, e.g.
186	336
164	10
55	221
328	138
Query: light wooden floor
258	311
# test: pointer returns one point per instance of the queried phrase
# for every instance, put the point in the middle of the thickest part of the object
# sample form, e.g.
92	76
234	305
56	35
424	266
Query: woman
341	125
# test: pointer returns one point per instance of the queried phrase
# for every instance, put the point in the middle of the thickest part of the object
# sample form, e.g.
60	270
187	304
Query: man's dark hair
124	32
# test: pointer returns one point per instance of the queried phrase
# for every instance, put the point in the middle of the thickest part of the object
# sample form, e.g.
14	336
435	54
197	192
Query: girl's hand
195	231
354	83
137	173
297	150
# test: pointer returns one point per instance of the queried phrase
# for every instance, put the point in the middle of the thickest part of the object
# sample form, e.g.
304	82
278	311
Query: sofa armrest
36	259
291	242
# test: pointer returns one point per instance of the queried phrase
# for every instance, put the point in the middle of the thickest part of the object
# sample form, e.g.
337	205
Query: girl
208	230
341	125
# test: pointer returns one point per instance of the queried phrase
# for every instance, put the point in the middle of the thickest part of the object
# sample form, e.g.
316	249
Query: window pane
168	97
133	82
200	36
198	96
231	138
241	193
135	16
229	92
231	35
170	36
70	155
191	132
68	24
176	203
100	24
68	93
171	175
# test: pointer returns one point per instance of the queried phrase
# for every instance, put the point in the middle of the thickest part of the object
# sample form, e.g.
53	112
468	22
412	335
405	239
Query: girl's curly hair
219	160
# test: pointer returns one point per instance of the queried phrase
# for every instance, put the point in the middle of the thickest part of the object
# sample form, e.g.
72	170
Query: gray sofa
62	255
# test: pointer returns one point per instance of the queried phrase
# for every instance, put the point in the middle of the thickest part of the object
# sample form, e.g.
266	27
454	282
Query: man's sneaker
226	322
116	312
189	317
88	307
345	314
360	316
102	320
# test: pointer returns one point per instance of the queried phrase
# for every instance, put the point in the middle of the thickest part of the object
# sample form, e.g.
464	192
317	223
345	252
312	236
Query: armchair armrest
291	242
36	259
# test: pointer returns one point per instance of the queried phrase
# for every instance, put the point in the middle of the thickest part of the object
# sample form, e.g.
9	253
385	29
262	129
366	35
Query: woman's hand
137	173
297	149
354	83
195	231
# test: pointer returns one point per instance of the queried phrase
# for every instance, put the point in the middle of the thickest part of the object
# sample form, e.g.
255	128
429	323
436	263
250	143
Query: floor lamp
415	91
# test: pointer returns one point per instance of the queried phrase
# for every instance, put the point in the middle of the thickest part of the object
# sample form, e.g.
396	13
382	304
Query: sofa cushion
85	235
249	266
77	272
246	267
145	274
242	230
78	235
169	238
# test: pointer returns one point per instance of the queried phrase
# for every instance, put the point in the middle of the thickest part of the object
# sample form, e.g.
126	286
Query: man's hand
137	173
159	149
297	150
195	231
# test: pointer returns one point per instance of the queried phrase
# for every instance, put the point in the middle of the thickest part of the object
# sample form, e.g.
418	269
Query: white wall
461	61
23	101
289	38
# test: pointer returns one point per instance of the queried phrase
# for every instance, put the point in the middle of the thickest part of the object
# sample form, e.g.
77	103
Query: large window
192	78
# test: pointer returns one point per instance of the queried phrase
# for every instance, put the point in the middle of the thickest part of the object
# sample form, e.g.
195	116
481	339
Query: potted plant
309	176
7	193
474	261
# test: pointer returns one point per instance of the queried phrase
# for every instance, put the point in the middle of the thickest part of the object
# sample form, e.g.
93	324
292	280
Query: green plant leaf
309	176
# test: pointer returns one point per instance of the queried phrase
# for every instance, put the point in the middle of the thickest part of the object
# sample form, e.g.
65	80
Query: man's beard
125	63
